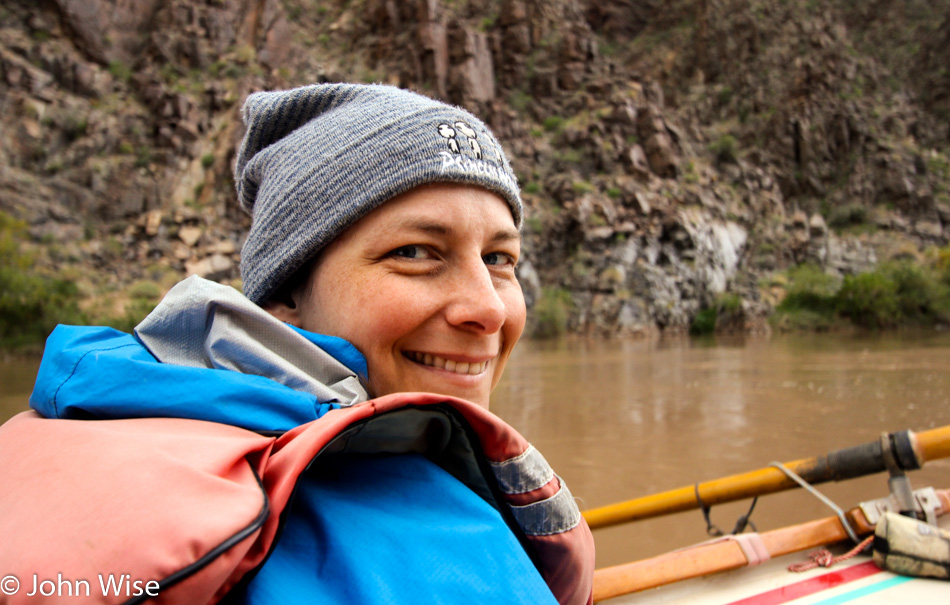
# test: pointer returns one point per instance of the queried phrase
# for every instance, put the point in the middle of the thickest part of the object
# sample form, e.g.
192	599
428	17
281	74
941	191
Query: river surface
623	419
620	419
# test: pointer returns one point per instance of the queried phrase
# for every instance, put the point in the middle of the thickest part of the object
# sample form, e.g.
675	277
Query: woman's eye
411	252
498	258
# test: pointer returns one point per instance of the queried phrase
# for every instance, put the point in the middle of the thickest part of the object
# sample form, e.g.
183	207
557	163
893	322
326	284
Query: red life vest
193	506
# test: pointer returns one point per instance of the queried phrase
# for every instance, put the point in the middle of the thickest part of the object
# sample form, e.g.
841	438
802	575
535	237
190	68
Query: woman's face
424	286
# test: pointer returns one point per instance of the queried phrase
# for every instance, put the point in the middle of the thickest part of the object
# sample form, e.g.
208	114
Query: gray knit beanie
316	159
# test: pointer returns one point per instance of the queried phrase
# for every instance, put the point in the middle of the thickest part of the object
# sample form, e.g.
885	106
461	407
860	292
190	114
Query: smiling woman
433	275
325	435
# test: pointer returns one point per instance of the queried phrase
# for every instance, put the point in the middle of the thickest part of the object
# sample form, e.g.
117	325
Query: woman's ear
284	303
285	311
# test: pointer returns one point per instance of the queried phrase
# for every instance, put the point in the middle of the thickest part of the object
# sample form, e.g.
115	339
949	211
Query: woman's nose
474	301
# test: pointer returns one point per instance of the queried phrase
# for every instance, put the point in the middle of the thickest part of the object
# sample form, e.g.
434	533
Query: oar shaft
726	489
726	554
712	557
934	444
910	450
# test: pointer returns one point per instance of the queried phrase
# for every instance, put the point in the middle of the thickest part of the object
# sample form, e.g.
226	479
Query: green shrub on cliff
941	265
704	322
725	149
810	302
809	289
869	300
899	293
551	313
139	300
727	307
848	215
31	303
554	124
922	296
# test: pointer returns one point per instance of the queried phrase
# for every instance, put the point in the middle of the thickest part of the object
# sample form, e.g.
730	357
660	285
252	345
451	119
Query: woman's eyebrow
426	226
439	228
506	235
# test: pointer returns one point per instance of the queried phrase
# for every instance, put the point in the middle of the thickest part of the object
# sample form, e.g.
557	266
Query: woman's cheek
517	311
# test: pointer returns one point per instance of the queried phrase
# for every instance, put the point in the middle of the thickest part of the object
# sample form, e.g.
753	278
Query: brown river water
620	419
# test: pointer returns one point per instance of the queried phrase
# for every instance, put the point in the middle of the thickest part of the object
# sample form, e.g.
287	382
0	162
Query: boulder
472	76
215	267
109	30
661	155
190	235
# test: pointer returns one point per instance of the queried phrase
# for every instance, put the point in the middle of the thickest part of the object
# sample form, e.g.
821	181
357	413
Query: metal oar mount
904	450
734	552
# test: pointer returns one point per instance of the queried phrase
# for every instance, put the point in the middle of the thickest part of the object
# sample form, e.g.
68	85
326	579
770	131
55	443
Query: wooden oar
910	449
727	554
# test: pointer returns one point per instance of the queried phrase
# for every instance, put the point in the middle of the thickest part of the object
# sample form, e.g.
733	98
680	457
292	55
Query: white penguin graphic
471	135
448	133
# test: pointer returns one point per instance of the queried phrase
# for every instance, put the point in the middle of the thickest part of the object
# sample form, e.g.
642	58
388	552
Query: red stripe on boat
811	585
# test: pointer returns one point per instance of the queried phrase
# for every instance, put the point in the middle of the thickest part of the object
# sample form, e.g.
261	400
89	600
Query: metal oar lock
899	453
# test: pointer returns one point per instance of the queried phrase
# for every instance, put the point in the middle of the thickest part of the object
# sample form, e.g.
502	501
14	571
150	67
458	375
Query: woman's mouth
456	367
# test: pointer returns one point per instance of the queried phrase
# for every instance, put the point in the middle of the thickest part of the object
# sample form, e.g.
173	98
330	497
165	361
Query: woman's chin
475	388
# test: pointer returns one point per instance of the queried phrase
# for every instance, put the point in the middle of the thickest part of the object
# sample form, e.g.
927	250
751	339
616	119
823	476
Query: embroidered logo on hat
449	133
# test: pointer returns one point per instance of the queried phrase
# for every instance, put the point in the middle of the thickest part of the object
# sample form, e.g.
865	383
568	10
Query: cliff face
670	152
